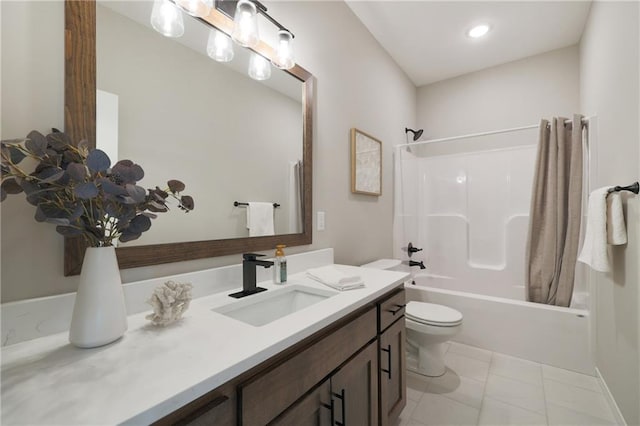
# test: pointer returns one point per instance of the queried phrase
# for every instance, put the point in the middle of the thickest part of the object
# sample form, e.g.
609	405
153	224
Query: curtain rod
584	121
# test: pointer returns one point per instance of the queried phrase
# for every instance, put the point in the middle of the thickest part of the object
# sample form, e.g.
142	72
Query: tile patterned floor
492	389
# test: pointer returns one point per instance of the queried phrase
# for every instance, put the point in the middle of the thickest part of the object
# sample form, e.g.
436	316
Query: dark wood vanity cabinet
315	409
352	373
214	408
349	396
393	372
354	389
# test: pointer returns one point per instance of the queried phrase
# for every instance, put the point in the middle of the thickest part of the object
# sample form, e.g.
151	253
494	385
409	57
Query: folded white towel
334	278
594	249
616	228
260	219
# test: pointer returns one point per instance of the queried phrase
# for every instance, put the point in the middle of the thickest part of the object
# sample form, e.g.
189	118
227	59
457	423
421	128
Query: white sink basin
262	308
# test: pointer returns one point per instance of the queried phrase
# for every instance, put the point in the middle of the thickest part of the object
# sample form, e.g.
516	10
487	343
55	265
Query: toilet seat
432	314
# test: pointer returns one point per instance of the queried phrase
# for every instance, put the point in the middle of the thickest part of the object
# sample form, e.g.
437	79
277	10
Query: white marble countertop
152	371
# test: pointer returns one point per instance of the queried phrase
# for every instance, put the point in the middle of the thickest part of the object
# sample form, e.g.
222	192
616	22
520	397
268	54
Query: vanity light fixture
245	20
284	51
219	46
166	18
197	8
245	24
259	67
478	31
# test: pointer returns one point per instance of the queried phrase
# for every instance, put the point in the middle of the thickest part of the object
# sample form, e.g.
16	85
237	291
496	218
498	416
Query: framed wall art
366	164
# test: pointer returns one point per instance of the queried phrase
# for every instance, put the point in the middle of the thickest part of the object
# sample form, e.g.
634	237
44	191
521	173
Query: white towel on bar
616	228
260	219
605	222
334	278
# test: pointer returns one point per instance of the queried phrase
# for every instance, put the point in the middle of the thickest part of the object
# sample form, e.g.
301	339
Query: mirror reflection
181	115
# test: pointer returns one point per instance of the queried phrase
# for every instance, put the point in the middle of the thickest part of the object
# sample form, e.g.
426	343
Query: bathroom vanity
351	372
339	358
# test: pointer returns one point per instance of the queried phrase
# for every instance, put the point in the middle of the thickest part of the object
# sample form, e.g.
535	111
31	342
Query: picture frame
366	164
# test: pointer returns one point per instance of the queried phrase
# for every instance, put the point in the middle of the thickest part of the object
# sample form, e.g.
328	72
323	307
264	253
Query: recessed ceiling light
478	31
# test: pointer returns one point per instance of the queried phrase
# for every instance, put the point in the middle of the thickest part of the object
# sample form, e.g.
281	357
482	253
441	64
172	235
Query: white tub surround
469	212
152	371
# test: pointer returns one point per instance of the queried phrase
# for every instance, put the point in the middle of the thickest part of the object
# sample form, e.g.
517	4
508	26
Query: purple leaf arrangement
79	191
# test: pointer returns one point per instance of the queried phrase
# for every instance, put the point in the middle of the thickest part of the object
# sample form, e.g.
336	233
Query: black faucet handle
411	249
251	256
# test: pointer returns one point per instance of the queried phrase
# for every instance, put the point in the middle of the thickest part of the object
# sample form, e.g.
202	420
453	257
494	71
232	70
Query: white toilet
428	327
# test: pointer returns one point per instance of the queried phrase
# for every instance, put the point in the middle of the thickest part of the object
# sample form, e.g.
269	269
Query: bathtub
551	335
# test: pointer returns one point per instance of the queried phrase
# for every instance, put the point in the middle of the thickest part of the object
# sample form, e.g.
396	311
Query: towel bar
634	187
238	203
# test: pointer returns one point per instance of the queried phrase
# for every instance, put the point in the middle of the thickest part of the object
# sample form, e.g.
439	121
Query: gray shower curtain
556	205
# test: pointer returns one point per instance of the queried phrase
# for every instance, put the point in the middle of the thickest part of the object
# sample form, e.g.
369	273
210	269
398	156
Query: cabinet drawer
217	407
269	394
391	309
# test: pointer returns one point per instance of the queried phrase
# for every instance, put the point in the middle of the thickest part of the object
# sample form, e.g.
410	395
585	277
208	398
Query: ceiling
428	40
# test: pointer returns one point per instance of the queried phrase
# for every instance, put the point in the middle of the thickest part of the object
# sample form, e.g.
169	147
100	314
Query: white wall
510	95
358	85
32	90
609	88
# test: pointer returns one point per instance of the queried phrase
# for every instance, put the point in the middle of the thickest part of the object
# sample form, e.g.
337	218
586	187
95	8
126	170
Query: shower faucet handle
411	249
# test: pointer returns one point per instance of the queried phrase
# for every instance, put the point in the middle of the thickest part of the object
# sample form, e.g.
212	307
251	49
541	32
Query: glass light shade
166	19
259	67
219	46
245	24
197	8
284	51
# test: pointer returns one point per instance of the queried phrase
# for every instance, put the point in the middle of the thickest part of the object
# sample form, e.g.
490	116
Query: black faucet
249	263
420	264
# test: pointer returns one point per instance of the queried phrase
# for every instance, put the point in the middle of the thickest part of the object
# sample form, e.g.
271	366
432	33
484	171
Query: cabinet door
393	385
354	390
315	409
268	394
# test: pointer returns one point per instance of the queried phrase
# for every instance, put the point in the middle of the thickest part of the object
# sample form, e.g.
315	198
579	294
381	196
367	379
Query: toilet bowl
428	326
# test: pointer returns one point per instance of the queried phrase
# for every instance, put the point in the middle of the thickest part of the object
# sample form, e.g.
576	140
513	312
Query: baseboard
612	402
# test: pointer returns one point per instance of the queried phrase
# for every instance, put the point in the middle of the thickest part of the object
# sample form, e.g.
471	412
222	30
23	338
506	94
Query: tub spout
420	264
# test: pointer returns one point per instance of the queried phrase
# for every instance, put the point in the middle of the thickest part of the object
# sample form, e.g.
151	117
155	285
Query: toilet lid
432	314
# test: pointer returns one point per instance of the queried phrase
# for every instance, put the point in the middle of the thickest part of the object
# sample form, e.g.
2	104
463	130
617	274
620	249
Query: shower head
416	133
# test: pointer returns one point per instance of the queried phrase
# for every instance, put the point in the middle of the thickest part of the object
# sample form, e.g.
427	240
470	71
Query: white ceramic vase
99	312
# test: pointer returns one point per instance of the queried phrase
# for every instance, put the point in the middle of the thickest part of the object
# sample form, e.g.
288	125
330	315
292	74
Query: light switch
320	221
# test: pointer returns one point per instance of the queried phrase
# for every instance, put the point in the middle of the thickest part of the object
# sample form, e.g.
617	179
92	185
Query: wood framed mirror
80	123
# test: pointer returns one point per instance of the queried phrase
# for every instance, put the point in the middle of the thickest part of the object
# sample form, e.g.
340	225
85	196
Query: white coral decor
169	302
